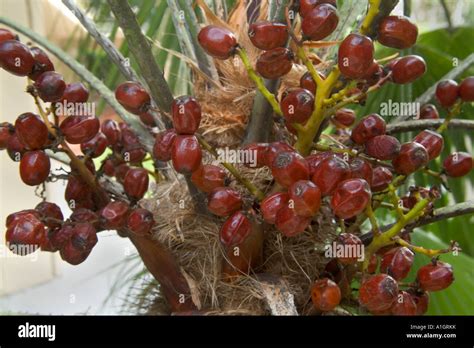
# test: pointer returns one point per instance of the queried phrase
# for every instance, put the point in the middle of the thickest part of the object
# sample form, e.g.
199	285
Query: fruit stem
301	54
259	81
455	110
369	18
392	191
421	250
373	221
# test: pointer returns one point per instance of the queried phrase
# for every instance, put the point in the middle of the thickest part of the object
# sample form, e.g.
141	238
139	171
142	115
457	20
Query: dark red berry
432	141
325	295
397	262
308	83
79	129
378	292
412	157
15	147
75	93
140	221
466	89
383	147
435	276
25	229
272	204
120	171
320	22
235	229
223	201
373	74
297	105
350	198
458	164
408	69
447	92
289	223
404	304
344	117
356	55
218	42
84	236
305	198
96	146
257	152
58	238
289	167
132	150
31	131
186	154
114	215
329	173
78	194
147	118
6	131
50	213
208	177
163	145
421	299
186	115
268	35
72	255
397	32
361	169
274	149
367	128
112	131
135	183
16	58
34	167
6	35
85	215
42	63
275	63
429	112
350	242
381	177
315	159
373	263
50	86
305	6
133	97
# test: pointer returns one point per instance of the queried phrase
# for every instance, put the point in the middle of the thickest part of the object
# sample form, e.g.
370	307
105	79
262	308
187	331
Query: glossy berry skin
307	82
447	92
297	105
432	141
235	229
268	35
350	198
72	255
140	221
421	299
163	144
114	215
383	147
132	150
15	217
26	229
361	169
397	262
273	150
16	58
325	295
356	55
208	177
112	131
412	157
218	42
15	147
78	194
96	146
133	97
272	204
147	118
50	212
397	32
85	215
435	276
186	115
306	198
6	35
6	131
289	167
135	183
315	160
186	154
84	236
289	223
59	237
458	164
378	292
381	177
275	63
320	22
79	129
349	239
466	89
306	6
367	128
31	131
330	173
408	69
404	305
223	201
259	151
429	112
75	93
50	86
34	167
42	63
344	117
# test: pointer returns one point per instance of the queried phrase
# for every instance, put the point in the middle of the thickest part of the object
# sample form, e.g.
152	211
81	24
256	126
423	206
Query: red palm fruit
140	221
373	74
34	167
297	105
120	171
397	32
15	148
186	154
147	118
59	237
26	229
349	240
72	255
378	292
208	177
289	167
6	131
367	128
223	201
344	117
50	86
421	299
356	55
272	204
275	63
111	130
133	97
257	152
186	115
305	6
447	92
114	215
432	141
373	263
218	42
330	173
6	35
397	262
84	236
108	167
46	244
163	145
381	177
77	192
408	69
132	150
350	198
79	129
325	295
15	217
466	89
16	58
289	223
383	147
404	304
235	229
75	93
305	197
308	83
429	112
85	215
435	276
315	159
273	150
42	63
51	214
412	157
268	35
31	131
135	183
361	169
96	146
320	22
458	164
